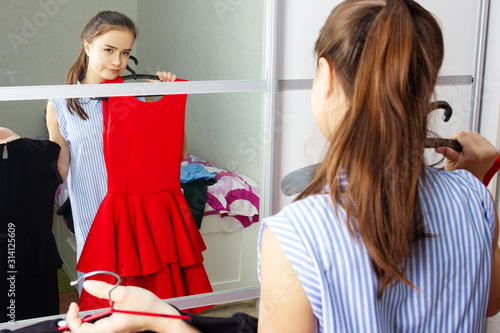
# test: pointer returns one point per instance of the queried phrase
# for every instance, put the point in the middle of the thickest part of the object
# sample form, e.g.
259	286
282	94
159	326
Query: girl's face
108	55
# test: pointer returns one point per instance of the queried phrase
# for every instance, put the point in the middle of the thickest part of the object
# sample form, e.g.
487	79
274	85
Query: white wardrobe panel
301	22
489	122
459	21
299	142
459	98
491	86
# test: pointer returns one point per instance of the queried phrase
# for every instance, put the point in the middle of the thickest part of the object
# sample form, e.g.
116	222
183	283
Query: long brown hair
100	24
387	58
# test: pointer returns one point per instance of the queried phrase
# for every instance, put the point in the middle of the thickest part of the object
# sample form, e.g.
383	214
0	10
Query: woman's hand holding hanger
164	77
477	156
131	299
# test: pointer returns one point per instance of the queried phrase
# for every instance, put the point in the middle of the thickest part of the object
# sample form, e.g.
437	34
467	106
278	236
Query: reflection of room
196	40
213	46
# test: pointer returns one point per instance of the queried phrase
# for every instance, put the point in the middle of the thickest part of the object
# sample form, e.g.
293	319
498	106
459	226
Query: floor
65	299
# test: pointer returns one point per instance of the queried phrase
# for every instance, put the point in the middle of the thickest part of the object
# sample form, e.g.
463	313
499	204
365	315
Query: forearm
171	325
494	299
63	163
55	135
184	147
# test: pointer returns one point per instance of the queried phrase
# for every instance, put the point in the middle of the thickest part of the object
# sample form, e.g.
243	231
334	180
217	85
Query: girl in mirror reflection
76	124
378	241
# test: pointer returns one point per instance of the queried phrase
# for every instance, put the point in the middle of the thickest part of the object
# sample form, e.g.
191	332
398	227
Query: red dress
144	230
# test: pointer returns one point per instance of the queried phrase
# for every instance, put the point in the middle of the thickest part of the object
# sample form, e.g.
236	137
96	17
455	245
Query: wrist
171	324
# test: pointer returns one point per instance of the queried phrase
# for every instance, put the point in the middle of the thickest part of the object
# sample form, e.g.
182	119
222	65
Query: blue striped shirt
451	270
87	178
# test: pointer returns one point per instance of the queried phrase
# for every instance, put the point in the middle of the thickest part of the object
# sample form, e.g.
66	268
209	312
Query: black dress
29	258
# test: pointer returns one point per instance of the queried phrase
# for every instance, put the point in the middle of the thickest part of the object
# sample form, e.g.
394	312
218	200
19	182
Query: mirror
196	40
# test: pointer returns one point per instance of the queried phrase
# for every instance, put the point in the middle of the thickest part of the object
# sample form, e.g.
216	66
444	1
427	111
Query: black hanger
438	142
134	76
297	180
448	111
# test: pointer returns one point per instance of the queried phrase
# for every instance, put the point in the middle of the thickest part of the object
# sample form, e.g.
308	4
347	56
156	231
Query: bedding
235	197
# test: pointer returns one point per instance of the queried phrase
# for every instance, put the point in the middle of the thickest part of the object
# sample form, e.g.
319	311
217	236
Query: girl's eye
108	50
126	53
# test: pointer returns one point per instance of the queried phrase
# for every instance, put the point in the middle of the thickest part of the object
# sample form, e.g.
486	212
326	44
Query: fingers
476	146
76	325
449	153
74	322
101	290
477	156
166	76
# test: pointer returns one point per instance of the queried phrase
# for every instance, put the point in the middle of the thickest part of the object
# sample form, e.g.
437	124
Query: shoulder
291	220
57	102
58	105
309	206
453	182
459	191
309	212
305	226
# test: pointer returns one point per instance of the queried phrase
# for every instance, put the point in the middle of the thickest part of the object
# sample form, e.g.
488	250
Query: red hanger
111	303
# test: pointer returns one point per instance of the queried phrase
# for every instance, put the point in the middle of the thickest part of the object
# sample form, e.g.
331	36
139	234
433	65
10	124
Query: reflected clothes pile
144	230
28	253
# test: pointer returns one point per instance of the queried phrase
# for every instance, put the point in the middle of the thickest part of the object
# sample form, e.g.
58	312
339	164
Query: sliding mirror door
220	47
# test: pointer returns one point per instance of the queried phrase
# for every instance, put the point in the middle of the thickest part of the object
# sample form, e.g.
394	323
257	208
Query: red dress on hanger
144	230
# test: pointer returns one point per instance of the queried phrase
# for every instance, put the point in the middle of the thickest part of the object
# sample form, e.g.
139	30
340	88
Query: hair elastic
407	2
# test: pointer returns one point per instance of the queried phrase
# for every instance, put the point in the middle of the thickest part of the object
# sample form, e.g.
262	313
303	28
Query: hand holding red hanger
128	299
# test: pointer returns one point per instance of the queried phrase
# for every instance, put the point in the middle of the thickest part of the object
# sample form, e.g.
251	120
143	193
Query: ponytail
73	76
387	59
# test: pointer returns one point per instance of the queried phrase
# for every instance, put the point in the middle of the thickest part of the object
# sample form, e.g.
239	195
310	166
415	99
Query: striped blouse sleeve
298	256
61	118
487	200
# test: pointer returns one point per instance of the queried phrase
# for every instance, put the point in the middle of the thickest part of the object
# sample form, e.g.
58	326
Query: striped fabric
451	270
87	179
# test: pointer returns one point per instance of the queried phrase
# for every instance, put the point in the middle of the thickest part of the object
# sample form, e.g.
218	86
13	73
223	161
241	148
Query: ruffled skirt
151	241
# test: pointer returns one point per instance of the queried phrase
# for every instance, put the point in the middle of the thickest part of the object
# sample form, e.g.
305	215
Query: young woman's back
450	270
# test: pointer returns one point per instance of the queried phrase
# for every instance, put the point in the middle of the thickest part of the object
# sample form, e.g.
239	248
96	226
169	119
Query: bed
229	228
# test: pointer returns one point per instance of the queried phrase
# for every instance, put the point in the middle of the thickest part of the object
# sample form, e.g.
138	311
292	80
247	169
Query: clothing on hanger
144	230
29	257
